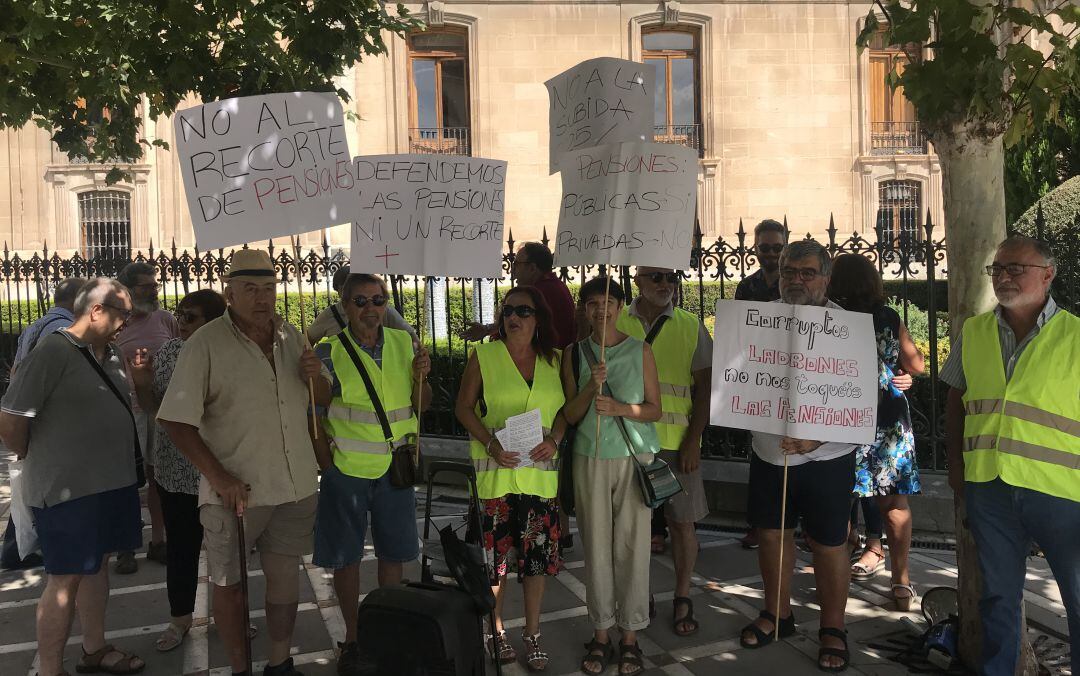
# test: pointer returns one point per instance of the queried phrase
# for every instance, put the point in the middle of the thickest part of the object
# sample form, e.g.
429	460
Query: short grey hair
807	248
769	225
67	291
129	276
1039	246
98	291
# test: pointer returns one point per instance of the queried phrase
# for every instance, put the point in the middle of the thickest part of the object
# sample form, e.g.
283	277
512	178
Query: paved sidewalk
727	595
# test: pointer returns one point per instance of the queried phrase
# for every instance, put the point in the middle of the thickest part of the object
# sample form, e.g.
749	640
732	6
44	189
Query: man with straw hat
237	408
817	488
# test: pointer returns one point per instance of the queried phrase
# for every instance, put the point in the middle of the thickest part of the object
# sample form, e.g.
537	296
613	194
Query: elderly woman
177	478
356	476
611	511
514	374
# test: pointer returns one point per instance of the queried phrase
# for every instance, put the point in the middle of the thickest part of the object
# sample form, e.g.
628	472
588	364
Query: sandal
842	653
536	659
787	628
630	656
94	663
652	607
597	655
903	603
861	571
687	621
126	564
501	648
172	637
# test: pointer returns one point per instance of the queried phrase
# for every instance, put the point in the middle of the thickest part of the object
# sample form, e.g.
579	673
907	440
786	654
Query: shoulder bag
566	449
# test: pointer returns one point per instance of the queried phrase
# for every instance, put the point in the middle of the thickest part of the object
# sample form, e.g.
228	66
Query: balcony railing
440	140
897	138
688	135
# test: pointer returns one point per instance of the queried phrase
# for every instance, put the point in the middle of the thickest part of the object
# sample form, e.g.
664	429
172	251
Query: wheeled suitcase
427	628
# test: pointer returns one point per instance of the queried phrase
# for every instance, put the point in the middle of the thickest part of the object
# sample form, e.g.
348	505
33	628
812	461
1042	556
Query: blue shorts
76	535
342	518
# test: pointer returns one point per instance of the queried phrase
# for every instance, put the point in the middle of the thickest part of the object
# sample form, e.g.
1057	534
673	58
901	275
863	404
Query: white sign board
802	371
435	215
600	101
628	204
258	167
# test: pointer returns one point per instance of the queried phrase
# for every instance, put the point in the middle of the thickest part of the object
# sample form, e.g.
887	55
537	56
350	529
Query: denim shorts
76	535
342	519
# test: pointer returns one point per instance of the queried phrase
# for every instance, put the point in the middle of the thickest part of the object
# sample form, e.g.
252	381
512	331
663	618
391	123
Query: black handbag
405	459
567	501
657	480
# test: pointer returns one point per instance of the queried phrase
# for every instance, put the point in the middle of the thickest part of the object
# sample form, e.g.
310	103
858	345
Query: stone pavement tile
19	585
17	625
309	637
717	622
729	561
16	664
556	598
779	658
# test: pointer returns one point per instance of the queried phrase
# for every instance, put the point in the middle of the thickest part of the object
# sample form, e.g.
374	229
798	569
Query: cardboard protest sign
435	215
600	101
803	371
628	204
258	167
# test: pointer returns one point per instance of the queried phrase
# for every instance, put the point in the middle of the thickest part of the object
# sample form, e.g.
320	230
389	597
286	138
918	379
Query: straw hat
251	265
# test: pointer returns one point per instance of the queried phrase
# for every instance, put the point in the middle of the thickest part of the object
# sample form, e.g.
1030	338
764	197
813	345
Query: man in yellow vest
683	351
356	476
1013	439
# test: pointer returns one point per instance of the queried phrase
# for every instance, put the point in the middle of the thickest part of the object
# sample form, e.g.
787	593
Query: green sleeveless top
626	379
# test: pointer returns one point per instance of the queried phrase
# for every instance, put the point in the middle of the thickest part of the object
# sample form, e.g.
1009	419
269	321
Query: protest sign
628	204
435	215
258	167
803	371
600	101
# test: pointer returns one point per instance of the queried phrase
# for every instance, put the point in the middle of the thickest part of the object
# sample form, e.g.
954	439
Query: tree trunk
973	187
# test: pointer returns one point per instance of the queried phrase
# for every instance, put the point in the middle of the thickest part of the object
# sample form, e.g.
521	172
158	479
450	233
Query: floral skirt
887	467
528	525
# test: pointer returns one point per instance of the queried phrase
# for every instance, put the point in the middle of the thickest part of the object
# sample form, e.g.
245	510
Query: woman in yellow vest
612	516
515	374
355	480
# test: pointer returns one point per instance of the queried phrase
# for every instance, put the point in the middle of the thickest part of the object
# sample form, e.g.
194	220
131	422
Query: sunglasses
805	274
187	316
523	311
377	301
769	248
657	277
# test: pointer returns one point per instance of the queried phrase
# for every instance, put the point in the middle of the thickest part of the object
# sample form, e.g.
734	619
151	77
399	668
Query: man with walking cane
237	408
816	480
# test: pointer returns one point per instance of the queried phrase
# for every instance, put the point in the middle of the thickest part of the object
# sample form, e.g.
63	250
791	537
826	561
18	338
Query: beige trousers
613	522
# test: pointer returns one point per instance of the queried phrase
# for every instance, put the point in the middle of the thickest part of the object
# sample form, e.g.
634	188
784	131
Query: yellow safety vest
507	394
360	447
673	350
1026	430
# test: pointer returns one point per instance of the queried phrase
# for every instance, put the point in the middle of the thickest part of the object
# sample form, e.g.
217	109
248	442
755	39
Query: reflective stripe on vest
1027	430
507	394
360	446
673	350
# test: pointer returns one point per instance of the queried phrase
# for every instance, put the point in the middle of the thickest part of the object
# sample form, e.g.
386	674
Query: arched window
675	55
439	92
105	224
899	210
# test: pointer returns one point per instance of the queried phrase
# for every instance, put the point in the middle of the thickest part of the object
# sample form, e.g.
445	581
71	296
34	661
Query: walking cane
783	536
303	332
244	592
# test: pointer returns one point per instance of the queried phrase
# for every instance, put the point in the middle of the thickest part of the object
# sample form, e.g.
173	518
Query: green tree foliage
1044	160
63	61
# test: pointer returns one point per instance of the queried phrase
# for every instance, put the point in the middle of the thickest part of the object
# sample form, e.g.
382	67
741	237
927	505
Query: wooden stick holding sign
303	332
783	536
603	348
420	393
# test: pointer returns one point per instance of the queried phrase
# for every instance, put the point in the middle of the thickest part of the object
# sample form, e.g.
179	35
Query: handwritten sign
438	215
628	204
258	167
803	371
600	101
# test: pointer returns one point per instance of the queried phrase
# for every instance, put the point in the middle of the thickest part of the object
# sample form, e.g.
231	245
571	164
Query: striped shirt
952	374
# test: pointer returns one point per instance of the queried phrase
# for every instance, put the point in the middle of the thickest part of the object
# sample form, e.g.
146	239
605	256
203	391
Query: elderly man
683	352
67	413
237	408
1013	440
335	318
149	328
820	481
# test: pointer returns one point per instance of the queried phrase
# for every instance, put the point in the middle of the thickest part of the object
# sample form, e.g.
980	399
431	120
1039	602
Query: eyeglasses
657	277
125	314
187	316
1014	269
377	301
523	311
805	274
769	248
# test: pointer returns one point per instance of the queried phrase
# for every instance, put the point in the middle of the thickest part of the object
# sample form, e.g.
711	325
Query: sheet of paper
521	435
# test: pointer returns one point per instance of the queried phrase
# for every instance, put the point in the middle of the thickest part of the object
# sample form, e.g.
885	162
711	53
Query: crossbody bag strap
114	389
338	318
655	330
380	413
590	357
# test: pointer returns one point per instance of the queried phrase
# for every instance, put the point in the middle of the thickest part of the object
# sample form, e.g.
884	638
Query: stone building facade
788	117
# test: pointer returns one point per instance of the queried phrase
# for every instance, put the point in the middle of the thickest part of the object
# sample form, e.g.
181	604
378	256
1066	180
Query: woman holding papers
886	469
613	377
510	401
